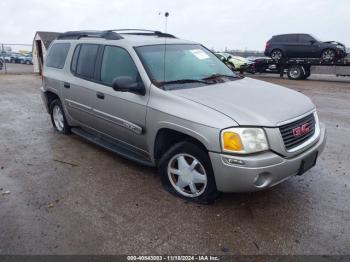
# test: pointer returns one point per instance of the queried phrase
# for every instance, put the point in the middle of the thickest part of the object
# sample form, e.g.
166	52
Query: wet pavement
62	195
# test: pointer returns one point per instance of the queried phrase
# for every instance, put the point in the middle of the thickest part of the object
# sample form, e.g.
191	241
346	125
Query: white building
41	43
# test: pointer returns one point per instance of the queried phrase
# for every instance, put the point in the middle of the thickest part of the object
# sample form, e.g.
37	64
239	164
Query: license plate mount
307	163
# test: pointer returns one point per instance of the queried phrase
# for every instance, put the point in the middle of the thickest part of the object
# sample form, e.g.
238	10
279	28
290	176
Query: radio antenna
166	15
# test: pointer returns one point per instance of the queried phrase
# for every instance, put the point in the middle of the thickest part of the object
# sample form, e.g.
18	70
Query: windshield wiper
184	81
216	76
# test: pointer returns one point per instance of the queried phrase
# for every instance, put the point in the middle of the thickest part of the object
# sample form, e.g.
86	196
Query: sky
231	24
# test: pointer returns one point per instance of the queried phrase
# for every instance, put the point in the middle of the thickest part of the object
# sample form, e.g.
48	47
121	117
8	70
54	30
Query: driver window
305	39
117	62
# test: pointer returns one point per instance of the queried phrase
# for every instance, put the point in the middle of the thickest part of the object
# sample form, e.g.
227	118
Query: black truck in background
303	46
297	54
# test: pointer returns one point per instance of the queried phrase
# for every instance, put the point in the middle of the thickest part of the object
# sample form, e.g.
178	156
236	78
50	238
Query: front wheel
186	171
328	54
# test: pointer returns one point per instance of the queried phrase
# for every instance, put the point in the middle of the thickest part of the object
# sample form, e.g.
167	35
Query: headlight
340	47
243	140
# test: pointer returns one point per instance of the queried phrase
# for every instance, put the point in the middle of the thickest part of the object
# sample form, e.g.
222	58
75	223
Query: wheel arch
168	136
50	96
328	48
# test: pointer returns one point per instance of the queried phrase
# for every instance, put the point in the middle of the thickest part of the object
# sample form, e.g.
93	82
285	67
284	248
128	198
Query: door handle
100	95
66	85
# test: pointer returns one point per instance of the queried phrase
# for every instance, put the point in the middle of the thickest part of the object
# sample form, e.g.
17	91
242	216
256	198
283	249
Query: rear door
290	44
79	89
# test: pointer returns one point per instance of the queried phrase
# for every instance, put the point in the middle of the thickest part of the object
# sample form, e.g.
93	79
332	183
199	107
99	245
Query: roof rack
142	32
111	34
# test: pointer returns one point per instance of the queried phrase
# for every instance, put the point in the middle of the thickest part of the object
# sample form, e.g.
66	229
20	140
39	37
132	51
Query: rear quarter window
57	55
285	38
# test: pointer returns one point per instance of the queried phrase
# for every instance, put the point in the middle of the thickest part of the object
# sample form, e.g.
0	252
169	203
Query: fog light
262	180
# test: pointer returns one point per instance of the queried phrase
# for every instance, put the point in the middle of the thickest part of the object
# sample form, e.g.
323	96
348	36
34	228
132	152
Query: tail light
267	45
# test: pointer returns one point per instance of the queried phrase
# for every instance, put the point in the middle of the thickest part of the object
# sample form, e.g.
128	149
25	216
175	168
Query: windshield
316	38
182	64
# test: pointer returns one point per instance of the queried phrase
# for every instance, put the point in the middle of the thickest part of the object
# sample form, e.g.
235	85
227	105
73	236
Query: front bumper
341	53
259	171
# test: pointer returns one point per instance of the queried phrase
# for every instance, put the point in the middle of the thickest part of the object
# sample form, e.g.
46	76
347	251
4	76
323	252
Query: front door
122	115
308	46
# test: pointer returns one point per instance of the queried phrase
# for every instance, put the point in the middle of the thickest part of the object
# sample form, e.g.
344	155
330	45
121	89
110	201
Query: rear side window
57	55
84	60
290	38
117	62
285	38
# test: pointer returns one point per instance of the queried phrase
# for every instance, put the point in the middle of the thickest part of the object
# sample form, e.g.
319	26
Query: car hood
250	102
334	43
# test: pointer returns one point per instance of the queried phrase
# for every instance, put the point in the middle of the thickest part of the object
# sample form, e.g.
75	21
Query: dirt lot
16	69
62	195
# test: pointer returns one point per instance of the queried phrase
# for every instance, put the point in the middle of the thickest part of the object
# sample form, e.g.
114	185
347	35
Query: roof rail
111	34
142	32
108	34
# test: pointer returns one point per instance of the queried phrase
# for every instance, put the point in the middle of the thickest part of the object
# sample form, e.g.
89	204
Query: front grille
290	141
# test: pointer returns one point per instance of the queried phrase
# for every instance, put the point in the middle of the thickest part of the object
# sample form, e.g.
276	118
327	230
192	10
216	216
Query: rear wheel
186	171
276	54
296	72
58	117
328	54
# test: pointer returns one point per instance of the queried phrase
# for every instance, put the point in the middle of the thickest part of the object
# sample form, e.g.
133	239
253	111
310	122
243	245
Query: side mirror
127	84
229	57
312	42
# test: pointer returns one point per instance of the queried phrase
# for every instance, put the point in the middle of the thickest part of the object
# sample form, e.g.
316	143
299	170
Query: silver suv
162	101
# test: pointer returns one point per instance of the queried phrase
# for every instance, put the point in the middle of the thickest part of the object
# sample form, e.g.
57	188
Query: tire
178	174
28	62
328	54
295	72
58	117
13	61
306	76
276	54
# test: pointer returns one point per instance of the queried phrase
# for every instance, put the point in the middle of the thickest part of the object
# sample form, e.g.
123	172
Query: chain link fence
16	59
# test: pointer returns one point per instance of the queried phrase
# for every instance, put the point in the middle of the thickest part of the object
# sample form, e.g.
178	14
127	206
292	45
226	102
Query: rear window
84	60
57	55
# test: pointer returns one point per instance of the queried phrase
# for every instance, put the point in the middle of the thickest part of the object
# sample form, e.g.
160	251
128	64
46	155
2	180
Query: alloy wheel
58	118
328	54
277	55
187	175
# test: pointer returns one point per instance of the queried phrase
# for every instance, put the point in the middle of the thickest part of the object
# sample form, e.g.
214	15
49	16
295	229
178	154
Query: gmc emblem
301	130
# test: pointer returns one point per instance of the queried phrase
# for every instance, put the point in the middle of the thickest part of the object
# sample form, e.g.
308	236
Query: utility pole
166	21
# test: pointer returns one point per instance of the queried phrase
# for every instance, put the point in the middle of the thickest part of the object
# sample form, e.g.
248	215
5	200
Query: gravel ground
62	195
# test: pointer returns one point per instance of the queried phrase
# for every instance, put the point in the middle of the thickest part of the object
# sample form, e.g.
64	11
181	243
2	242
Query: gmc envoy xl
162	101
